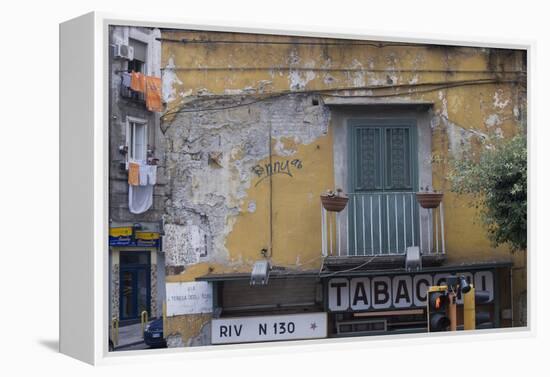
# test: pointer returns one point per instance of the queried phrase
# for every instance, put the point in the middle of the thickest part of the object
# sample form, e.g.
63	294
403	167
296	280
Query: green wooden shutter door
398	159
382	213
369	159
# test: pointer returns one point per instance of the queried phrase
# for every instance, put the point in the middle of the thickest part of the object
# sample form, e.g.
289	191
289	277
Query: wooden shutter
368	158
398	174
382	213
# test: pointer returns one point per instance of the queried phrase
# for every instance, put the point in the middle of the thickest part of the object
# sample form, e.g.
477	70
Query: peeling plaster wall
463	116
188	330
217	203
114	287
206	198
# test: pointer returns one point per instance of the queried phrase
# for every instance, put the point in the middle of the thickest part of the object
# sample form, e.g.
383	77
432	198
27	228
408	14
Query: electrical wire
349	269
292	43
329	69
326	92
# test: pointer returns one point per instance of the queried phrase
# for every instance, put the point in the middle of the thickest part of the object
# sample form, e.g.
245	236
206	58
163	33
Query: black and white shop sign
394	292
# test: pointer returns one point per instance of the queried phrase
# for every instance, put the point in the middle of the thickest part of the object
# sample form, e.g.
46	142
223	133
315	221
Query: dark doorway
135	284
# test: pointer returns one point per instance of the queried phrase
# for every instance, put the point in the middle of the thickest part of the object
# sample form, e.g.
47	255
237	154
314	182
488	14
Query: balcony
131	95
382	224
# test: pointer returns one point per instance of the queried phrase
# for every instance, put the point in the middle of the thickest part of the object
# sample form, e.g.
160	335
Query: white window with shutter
136	139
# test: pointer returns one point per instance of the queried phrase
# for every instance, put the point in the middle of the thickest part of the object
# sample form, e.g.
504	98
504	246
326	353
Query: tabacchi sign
268	328
394	292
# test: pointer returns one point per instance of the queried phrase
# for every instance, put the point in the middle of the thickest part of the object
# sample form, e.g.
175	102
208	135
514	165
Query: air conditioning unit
122	51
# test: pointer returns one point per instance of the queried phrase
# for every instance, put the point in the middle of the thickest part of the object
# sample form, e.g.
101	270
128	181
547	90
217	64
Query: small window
136	66
136	138
140	56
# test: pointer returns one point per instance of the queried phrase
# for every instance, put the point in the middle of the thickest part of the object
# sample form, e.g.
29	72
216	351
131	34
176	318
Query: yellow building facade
257	127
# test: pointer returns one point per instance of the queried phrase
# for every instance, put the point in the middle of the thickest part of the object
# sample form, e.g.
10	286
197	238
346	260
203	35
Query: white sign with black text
188	298
397	292
269	328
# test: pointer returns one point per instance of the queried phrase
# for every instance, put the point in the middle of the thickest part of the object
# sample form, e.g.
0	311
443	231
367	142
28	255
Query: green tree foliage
498	182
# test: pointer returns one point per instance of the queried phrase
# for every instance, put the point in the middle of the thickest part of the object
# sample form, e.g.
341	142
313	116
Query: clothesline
150	86
141	180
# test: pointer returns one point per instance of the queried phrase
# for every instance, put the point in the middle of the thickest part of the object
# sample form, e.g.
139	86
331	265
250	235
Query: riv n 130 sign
268	328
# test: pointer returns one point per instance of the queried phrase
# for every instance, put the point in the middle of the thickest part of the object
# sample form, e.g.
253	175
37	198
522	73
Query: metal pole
115	331
404	226
452	311
371	232
430	230
144	320
363	224
420	227
338	233
164	329
323	233
436	236
396	230
442	219
388	220
355	223
470	309
379	224
330	232
347	229
412	219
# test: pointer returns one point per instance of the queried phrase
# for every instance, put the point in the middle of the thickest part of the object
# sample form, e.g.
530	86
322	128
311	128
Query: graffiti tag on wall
278	167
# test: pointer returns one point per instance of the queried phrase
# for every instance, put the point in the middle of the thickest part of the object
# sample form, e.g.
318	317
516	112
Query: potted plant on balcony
428	198
334	201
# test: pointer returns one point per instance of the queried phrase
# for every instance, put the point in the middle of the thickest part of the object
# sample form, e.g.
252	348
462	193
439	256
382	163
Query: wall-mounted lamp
260	273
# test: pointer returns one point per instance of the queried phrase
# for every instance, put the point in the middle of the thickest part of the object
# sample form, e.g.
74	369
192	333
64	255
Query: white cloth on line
143	174
126	79
140	198
152	174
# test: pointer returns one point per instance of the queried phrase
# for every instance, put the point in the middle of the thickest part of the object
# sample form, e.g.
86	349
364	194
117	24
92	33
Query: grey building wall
120	109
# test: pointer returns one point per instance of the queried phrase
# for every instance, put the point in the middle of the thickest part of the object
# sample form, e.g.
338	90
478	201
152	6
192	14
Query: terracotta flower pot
334	203
429	199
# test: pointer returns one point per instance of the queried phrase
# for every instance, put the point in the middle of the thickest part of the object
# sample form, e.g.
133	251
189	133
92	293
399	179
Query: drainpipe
270	247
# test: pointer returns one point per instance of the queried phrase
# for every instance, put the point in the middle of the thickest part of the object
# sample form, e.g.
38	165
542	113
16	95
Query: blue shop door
135	285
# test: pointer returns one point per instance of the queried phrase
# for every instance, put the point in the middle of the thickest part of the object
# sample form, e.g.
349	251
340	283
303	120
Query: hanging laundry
152	174
140	198
126	79
153	93
133	174
137	82
143	174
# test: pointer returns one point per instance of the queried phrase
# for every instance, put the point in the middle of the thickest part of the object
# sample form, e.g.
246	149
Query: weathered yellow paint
465	115
186	327
296	209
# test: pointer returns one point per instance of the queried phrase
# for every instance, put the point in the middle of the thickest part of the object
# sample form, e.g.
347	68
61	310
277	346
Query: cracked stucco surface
204	198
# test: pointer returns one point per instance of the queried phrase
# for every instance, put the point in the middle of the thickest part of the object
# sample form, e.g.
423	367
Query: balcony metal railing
382	224
132	95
